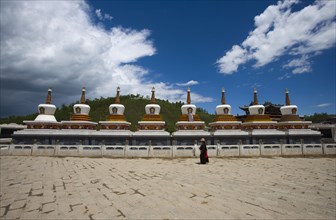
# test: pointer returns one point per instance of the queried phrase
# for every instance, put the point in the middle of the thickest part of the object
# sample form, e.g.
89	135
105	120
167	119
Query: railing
167	151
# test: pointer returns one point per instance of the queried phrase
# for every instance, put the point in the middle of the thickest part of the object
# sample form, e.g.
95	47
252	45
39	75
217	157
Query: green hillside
134	110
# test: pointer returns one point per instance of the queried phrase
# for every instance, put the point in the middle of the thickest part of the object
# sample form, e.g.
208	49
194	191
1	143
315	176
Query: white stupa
189	126
224	119
116	120
117	108
152	109
152	119
256	109
80	118
47	110
257	119
151	129
82	110
188	108
223	109
292	123
45	118
288	109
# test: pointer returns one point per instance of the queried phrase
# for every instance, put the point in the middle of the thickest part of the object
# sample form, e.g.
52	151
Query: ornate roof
270	108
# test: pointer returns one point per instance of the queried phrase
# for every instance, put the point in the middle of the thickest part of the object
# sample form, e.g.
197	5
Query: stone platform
102	188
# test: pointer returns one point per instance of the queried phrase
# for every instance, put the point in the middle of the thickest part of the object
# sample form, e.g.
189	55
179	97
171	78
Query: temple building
273	110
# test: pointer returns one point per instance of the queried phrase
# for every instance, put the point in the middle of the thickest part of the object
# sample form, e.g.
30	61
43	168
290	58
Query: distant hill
134	110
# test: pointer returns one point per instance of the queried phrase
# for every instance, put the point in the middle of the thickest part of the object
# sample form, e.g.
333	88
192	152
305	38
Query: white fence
161	151
4	149
184	151
20	150
245	150
249	150
113	150
312	149
270	149
90	151
137	151
43	150
67	150
228	150
329	148
291	149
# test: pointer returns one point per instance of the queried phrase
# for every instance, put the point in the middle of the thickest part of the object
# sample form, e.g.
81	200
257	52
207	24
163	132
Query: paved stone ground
101	188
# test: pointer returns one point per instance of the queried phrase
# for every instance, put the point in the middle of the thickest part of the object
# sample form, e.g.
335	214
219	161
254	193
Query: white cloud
108	17
323	105
285	76
54	43
99	14
189	83
279	31
232	59
102	17
300	65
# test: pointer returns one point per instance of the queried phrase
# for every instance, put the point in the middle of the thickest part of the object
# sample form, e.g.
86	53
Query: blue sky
139	44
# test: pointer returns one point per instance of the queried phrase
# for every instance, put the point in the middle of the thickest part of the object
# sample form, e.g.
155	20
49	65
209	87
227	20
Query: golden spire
153	96
255	97
117	99
188	96
82	100
223	96
287	97
48	100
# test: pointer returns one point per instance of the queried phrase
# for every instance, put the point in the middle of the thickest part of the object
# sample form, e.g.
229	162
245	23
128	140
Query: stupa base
293	125
151	125
79	125
258	125
42	125
115	125
225	125
258	118
190	125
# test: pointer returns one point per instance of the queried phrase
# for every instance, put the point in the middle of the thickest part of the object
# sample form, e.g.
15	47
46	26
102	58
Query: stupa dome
256	109
188	108
152	109
288	109
82	109
46	111
223	109
117	108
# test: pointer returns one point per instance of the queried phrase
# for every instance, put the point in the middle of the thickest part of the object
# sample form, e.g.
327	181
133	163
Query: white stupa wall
116	109
185	108
84	109
223	110
153	109
257	110
289	110
46	113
